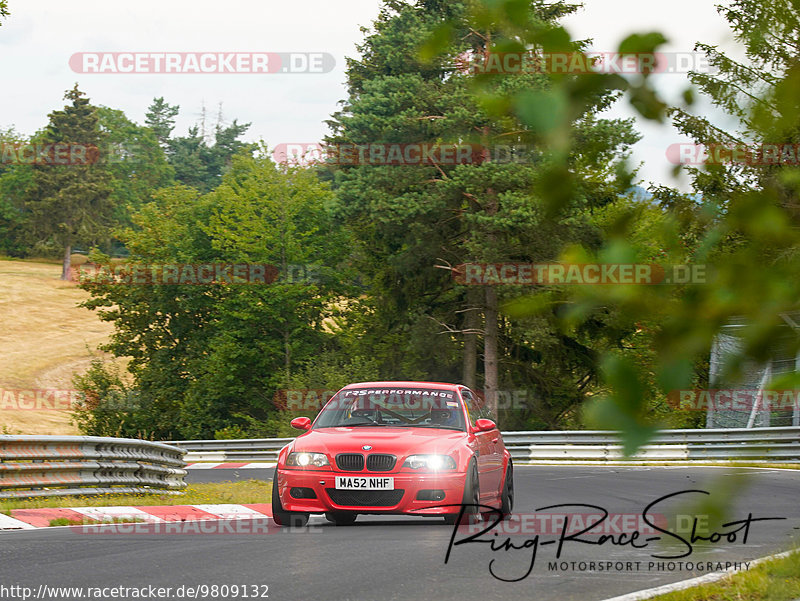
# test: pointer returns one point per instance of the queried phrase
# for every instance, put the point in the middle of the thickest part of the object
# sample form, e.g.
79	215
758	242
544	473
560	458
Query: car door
483	444
495	465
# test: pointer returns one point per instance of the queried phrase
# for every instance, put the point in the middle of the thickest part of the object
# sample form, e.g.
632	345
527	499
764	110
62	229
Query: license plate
364	483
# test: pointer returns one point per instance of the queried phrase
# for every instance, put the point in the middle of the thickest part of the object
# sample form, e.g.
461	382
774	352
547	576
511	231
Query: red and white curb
25	519
229	466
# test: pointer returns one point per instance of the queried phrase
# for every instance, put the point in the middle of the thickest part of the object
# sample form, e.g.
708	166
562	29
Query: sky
39	38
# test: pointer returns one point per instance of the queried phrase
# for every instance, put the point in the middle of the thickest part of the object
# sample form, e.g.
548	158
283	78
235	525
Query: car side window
473	408
486	413
486	410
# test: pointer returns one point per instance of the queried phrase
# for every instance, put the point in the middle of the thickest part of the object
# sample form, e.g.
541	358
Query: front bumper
451	483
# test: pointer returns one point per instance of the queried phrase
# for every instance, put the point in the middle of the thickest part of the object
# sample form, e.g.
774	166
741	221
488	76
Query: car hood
396	441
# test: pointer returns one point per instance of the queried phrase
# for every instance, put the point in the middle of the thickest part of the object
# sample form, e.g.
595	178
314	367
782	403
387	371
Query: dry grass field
45	338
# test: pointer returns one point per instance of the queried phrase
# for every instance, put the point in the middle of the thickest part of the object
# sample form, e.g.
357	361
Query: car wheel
507	498
341	518
470	497
285	518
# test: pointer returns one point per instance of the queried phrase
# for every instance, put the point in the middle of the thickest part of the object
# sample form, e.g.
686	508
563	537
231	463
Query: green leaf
553	39
638	43
541	110
436	43
676	374
647	103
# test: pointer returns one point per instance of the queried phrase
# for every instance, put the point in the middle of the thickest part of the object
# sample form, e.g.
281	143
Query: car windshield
393	407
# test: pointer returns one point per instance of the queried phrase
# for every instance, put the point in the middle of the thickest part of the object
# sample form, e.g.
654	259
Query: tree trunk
67	262
471	323
490	310
490	350
287	349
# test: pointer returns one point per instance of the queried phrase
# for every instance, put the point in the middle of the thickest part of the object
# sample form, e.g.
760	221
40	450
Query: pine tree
195	162
71	203
160	118
757	93
412	219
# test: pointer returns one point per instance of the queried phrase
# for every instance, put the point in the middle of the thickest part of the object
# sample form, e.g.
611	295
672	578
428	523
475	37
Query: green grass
243	491
783	466
773	580
88	521
632	463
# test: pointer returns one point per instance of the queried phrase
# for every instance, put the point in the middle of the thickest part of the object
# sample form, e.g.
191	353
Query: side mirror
301	423
484	425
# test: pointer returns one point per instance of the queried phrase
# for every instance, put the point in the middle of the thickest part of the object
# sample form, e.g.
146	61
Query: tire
293	519
341	518
471	496
507	498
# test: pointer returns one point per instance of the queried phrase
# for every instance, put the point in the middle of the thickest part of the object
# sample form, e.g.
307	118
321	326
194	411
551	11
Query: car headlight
307	460
431	462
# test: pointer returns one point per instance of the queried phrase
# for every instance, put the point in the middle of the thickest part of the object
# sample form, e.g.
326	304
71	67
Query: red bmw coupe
419	448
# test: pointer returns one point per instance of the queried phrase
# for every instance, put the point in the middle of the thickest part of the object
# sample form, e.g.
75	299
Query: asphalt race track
403	558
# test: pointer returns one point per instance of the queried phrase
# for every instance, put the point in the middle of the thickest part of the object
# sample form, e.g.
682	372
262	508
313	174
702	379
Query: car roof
404	384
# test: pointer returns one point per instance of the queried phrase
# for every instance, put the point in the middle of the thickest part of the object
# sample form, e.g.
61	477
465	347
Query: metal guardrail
740	444
233	450
41	466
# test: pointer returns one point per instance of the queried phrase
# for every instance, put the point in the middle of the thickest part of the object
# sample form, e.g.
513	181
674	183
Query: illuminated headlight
307	460
431	462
